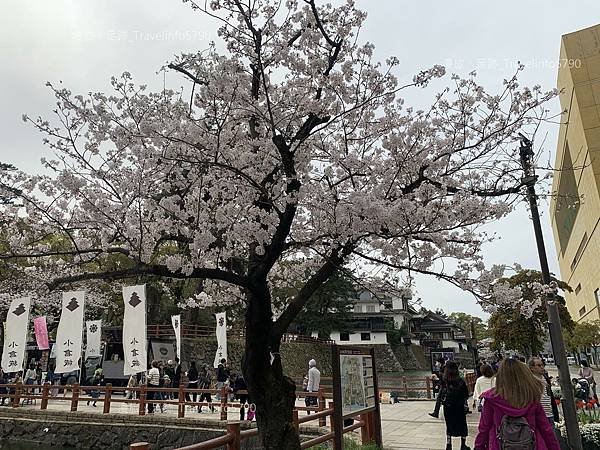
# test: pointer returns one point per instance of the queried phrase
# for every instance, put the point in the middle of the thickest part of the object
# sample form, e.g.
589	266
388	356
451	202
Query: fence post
45	392
331	415
405	385
364	430
107	396
295	420
17	397
142	399
181	400
224	398
428	386
372	432
233	429
74	397
322	420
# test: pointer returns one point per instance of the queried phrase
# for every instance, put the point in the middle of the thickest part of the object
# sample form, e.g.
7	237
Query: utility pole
554	327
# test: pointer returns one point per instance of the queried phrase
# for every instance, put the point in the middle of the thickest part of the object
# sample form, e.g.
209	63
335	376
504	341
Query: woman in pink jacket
517	394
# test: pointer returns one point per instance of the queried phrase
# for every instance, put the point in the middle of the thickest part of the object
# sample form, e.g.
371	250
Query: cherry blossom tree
292	144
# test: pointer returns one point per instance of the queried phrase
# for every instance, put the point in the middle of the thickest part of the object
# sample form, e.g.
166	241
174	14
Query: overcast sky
85	42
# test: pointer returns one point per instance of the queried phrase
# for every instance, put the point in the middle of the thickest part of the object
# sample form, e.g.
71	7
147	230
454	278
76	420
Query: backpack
514	433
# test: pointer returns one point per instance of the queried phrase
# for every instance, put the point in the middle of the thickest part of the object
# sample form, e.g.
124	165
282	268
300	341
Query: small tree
526	333
582	336
330	307
465	320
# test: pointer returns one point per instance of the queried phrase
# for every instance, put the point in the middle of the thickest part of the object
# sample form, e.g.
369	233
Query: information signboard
354	387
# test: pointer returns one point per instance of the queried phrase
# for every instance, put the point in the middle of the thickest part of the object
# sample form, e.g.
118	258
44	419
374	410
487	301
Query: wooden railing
17	393
233	436
405	387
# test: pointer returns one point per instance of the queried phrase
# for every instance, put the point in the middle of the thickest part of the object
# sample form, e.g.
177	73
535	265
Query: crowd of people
515	399
169	375
514	396
159	375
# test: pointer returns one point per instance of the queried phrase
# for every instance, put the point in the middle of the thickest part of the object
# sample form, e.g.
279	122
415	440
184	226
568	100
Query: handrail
320	414
213	443
17	392
233	437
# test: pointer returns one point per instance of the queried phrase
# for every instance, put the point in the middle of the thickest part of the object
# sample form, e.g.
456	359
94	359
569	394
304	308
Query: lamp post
554	327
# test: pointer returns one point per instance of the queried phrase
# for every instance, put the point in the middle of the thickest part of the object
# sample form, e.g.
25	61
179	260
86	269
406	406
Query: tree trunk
271	392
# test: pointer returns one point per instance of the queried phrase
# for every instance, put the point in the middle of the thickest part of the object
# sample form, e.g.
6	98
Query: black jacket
222	373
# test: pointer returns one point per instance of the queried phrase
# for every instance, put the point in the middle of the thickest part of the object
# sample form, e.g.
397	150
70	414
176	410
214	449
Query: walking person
53	378
30	380
204	382
314	381
176	378
96	380
160	395
153	379
588	373
192	375
514	404
132	383
455	414
480	362
240	385
484	383
538	369
440	366
170	372
223	373
39	373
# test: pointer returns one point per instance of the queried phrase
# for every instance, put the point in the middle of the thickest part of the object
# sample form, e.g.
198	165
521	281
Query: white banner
221	339
15	334
94	335
134	329
176	322
69	333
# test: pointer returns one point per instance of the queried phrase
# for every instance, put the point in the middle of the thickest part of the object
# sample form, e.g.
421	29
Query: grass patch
349	444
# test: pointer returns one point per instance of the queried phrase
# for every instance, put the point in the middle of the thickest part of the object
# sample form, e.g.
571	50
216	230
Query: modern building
575	204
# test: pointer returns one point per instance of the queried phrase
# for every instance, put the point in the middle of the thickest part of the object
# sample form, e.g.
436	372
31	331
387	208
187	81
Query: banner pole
82	364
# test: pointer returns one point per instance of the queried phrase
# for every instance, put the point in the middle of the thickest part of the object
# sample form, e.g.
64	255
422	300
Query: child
251	412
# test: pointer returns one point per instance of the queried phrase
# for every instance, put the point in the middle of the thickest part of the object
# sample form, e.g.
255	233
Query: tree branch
154	270
179	68
331	265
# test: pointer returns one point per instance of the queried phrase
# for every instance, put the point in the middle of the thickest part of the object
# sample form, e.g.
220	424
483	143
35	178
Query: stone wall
422	359
294	355
406	357
54	429
386	360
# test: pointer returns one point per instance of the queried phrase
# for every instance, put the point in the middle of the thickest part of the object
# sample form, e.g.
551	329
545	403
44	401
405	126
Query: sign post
355	391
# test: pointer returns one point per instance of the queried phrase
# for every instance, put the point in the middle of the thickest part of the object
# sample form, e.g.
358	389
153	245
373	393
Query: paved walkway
405	425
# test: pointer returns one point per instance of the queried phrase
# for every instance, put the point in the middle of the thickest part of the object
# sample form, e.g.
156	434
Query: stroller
582	389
